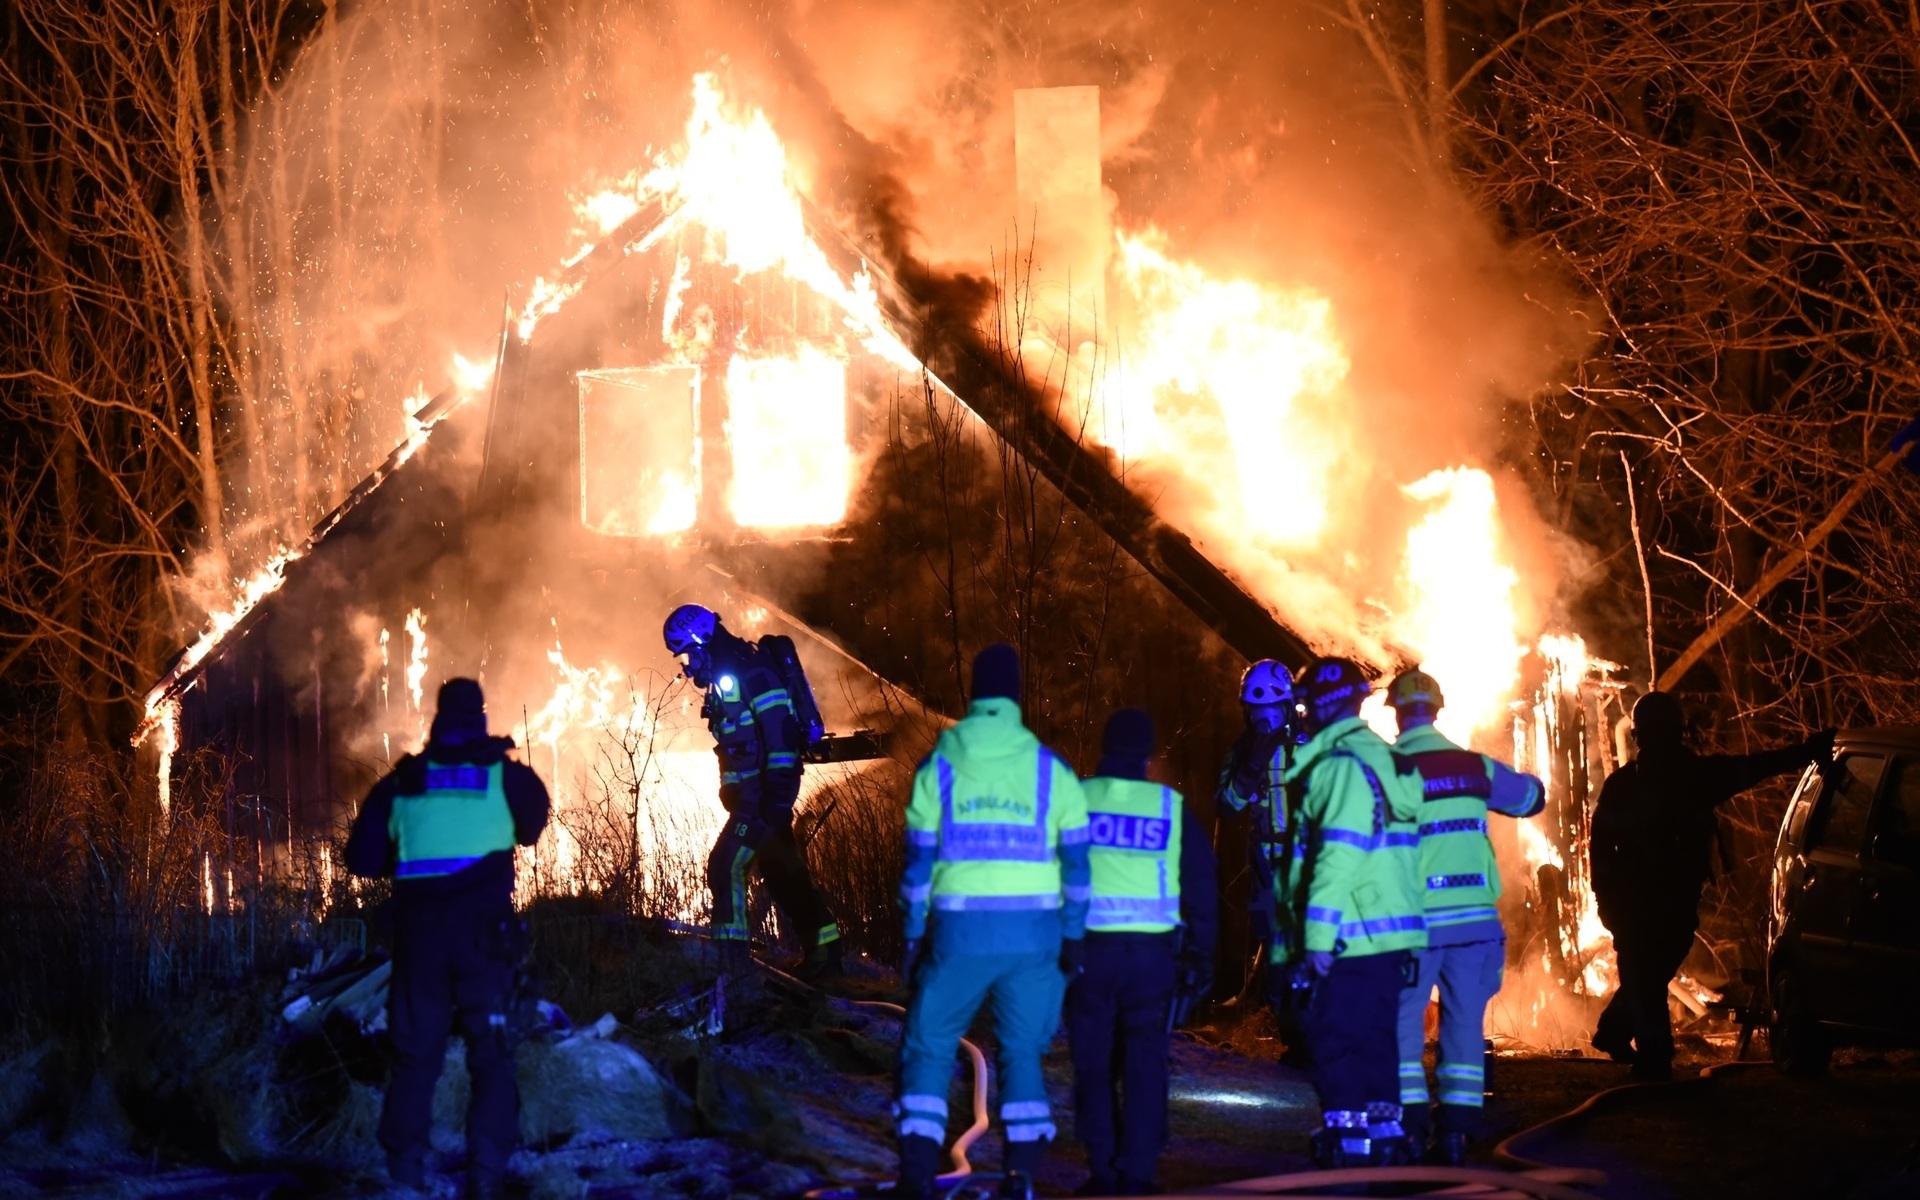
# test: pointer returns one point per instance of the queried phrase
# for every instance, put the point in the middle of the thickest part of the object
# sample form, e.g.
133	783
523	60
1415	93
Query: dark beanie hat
1129	735
460	712
996	673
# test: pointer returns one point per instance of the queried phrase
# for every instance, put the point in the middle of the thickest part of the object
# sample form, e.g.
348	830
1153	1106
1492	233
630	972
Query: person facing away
1466	946
996	889
1251	781
1352	915
1152	924
443	825
1650	851
759	737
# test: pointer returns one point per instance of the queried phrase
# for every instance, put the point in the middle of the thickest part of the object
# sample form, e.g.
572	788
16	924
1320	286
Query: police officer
1151	928
1466	947
758	736
1650	851
996	890
443	824
1353	904
1251	781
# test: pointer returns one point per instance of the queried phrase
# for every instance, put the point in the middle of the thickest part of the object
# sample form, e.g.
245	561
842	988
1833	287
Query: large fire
1238	388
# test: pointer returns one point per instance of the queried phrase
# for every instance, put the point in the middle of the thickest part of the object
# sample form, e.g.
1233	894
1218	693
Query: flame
1459	613
417	659
470	375
730	177
787	429
580	739
206	882
166	718
1216	373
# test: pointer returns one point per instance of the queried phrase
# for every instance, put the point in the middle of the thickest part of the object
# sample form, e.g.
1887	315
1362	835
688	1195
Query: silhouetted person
1651	848
443	823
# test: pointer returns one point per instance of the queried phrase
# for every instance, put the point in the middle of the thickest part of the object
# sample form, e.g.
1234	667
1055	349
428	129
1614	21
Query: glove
1820	746
1320	962
730	796
1073	958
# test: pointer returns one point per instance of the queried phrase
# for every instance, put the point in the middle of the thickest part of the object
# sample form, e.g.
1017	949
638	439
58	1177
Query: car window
1840	823
1896	823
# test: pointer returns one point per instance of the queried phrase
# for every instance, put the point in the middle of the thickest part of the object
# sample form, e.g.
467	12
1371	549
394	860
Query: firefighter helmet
1332	688
688	626
1414	687
1266	682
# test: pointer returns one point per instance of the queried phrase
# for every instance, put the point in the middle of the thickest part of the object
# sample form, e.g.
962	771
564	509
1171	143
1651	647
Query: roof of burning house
956	361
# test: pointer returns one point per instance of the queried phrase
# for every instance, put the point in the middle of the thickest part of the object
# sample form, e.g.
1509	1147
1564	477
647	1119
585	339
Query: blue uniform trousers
1468	976
1350	1029
453	969
1117	1028
957	974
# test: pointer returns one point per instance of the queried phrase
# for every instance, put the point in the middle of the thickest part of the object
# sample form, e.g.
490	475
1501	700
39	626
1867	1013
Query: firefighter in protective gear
1466	947
996	889
758	736
1650	850
1250	782
1353	913
443	825
1152	926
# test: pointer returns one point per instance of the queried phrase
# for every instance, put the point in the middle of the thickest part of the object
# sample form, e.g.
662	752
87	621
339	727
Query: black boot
1450	1149
1022	1163
1390	1146
919	1166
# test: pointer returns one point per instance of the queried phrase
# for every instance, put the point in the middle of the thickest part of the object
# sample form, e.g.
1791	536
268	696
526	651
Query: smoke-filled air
1307	556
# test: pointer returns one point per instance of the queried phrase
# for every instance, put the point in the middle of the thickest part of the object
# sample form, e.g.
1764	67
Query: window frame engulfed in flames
618	453
609	473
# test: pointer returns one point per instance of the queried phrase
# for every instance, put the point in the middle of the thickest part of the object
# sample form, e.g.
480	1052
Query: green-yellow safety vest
1133	828
459	819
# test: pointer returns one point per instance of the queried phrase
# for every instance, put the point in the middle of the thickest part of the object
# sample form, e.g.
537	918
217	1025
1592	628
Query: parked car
1843	946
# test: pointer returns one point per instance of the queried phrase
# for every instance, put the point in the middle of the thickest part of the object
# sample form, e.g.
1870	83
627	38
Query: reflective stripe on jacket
1356	889
461	817
1134	831
1457	864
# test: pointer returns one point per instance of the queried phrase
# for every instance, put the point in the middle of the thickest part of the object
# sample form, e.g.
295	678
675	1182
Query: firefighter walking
1151	931
996	889
760	712
1466	946
1351	900
443	825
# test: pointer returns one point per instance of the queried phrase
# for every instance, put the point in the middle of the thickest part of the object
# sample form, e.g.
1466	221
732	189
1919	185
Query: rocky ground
794	1094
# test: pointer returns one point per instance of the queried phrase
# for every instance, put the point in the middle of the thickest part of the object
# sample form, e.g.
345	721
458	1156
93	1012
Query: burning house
701	404
689	409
